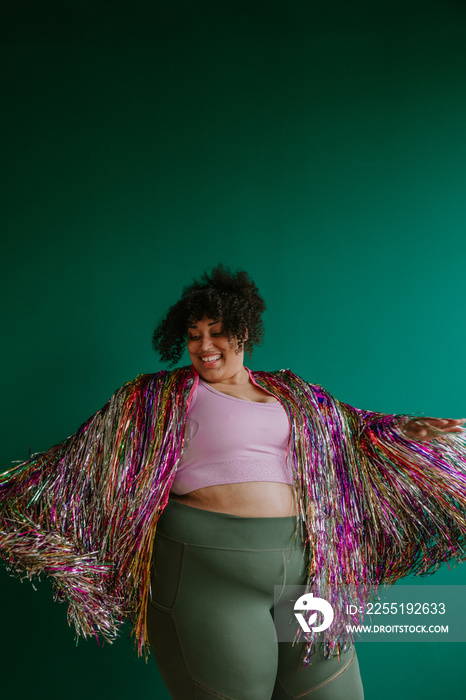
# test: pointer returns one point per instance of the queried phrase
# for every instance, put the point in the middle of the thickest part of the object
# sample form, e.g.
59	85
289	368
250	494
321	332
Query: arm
61	511
411	491
414	469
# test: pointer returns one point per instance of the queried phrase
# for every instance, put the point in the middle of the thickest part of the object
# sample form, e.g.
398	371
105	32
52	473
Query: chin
209	370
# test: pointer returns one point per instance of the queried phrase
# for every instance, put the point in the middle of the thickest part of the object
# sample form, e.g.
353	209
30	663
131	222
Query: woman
241	479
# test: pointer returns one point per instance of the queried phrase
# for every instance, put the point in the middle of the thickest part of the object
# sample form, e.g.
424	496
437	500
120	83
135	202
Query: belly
252	499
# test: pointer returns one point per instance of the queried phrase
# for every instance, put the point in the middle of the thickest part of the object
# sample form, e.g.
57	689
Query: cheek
229	351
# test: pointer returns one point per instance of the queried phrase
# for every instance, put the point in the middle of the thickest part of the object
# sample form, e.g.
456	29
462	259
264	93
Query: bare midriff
252	499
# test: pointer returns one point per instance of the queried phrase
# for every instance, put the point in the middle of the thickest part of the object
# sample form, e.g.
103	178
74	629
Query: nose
206	343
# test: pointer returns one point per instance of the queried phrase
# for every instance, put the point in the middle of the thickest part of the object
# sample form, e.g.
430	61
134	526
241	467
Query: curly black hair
231	297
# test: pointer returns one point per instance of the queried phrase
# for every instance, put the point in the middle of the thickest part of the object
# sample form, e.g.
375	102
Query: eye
193	337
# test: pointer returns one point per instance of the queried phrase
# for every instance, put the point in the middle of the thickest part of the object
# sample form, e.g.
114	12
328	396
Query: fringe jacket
375	505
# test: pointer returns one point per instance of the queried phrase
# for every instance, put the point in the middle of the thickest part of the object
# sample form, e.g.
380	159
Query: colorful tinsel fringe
375	505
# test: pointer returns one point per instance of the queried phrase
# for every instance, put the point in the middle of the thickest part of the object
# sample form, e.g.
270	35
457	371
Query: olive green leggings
210	612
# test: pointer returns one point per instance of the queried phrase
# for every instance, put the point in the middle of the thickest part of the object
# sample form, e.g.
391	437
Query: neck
240	377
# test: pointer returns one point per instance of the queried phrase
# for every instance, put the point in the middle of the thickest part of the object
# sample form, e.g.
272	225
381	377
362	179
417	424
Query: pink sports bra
230	440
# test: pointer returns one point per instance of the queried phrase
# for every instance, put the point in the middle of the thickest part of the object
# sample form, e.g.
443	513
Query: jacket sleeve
60	510
413	493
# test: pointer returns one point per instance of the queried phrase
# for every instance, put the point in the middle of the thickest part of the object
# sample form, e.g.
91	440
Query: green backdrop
320	146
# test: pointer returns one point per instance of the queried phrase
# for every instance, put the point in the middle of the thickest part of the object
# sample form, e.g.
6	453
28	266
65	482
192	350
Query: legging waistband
213	529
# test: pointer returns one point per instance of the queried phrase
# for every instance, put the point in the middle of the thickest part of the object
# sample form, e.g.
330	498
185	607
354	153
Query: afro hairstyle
231	297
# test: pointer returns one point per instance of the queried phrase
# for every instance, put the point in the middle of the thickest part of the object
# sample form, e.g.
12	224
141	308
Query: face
211	353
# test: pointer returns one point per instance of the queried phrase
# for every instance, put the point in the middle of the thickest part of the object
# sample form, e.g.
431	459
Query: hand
431	428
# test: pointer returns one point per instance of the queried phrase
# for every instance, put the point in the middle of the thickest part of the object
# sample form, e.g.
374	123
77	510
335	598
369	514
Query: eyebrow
210	324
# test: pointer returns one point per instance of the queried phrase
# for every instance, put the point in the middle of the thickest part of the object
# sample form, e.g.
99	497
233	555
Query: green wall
320	146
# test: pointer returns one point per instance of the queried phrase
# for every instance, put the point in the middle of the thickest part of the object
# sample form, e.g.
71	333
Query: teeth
212	358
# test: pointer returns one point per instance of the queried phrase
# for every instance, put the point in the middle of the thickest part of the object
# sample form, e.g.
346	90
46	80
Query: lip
209	364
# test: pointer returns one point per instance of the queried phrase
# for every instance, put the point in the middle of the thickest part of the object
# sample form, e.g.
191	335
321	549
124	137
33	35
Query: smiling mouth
211	358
